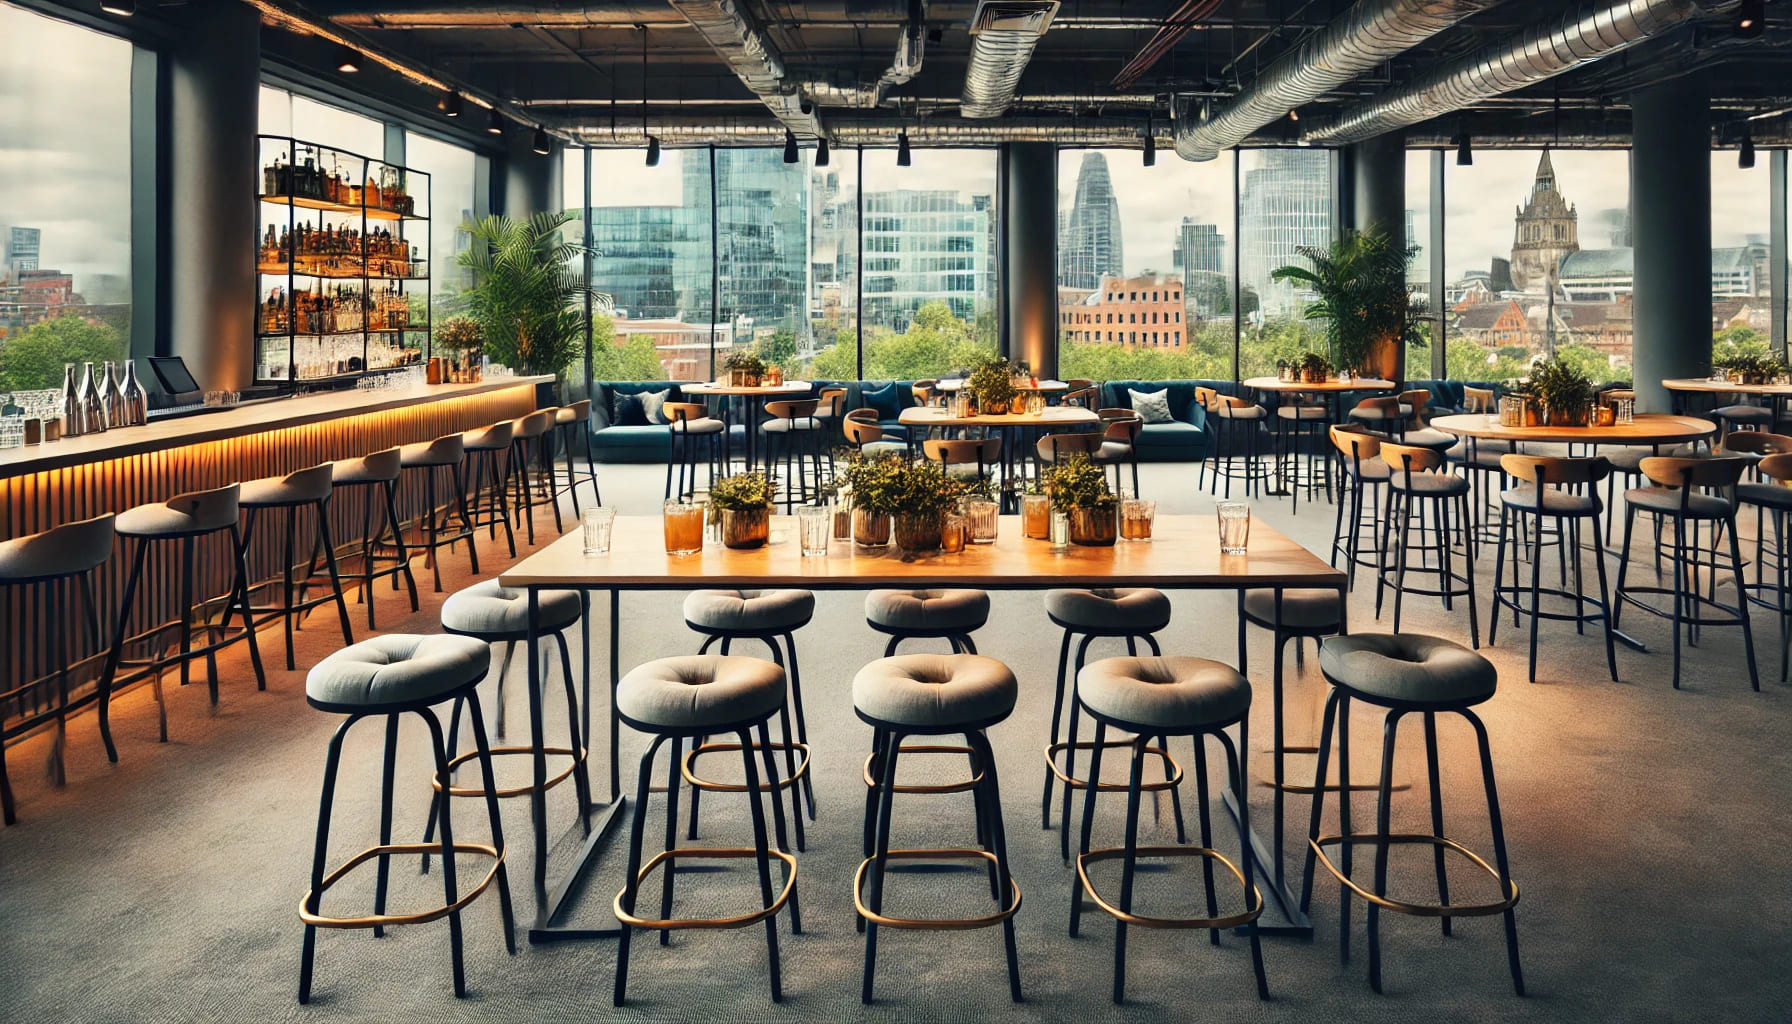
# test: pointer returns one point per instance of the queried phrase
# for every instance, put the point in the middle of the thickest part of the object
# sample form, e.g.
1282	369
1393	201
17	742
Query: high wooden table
1183	556
1644	429
1331	391
1018	431
1043	386
756	397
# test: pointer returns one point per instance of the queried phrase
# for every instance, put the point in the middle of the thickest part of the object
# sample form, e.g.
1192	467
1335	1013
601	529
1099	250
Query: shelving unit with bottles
342	272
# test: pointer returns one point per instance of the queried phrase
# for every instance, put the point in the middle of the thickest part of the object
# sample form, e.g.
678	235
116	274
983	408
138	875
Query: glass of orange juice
684	527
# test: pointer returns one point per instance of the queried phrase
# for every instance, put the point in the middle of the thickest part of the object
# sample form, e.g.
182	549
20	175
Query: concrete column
1670	189
1028	255
214	71
1375	171
531	182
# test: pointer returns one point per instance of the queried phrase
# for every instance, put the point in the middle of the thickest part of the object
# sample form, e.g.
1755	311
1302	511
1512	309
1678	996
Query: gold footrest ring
524	790
1170	766
1253	906
690	759
392	920
871	782
706	853
931	924
1416	909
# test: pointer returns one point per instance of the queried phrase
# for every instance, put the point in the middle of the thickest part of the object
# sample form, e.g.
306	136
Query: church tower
1546	232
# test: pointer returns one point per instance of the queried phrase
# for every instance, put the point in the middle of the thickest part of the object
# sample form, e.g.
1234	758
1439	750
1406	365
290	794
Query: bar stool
1288	614
1773	500
40	566
1384	414
1413	485
865	436
430	457
767	616
381	469
184	518
1416	430
1404	673
830	411
1239	421
1208	399
968	460
491	460
1540	495
934	695
951	615
1053	447
1362	477
529	446
395	675
797	433
1191	697
1119	443
685	698
496	614
1742	416
569	422
1132	615
1674	499
292	493
1298	427
689	423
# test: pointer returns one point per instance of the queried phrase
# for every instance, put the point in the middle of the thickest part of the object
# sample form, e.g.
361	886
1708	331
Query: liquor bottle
136	399
93	407
74	420
371	194
111	398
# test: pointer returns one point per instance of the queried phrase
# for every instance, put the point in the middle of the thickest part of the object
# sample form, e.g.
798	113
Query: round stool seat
1301	609
1744	413
443	451
1655	499
785	426
749	611
1555	500
705	425
1767	495
398	668
490	610
301	488
1245	412
700	690
1138	608
1302	412
1169	693
1430	437
377	468
1430	484
959	611
184	515
928	691
1408	668
496	437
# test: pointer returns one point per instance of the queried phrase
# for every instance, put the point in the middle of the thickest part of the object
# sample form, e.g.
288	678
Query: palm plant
527	291
1360	281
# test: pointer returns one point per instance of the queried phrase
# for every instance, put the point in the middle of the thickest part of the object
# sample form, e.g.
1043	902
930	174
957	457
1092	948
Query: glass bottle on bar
111	397
136	399
93	407
74	419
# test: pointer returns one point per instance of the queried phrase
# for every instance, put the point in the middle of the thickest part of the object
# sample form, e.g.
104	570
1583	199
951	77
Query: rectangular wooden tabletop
1184	554
1050	416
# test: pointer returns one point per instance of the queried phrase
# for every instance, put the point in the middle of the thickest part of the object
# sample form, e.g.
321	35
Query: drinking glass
952	533
1035	403
1235	527
816	525
1136	519
598	524
684	527
1036	516
982	517
12	431
1060	531
842	511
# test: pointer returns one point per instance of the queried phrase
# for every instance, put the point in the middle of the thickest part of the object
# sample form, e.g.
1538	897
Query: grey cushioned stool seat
749	610
307	486
65	550
443	451
698	691
1141	609
935	691
937	610
369	469
1408	668
1744	413
1170	693
1429	483
190	514
486	608
1660	499
397	668
1555	500
1770	495
1301	608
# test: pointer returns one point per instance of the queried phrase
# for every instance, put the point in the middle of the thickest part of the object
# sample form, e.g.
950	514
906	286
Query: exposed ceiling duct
1003	34
1357	42
852	130
846	89
1579	36
728	27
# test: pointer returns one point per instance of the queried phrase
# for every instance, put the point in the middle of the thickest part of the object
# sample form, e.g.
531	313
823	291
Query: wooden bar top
1050	416
261	417
1184	553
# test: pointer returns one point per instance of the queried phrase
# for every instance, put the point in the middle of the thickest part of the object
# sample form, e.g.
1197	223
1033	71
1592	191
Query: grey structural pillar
1376	191
1670	191
214	74
1027	253
531	181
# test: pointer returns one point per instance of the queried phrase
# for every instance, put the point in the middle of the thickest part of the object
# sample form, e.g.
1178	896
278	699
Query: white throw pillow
651	401
1152	406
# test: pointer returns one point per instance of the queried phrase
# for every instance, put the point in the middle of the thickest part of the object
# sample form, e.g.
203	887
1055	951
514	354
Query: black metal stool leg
884	794
1498	830
631	885
673	778
386	780
1383	807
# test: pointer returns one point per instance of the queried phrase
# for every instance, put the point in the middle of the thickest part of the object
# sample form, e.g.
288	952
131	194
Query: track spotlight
347	60
495	124
790	155
821	151
902	155
122	8
451	104
653	151
1294	115
1746	158
1465	155
543	145
1751	19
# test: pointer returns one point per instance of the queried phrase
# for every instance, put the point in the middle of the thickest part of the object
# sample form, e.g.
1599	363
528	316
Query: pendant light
653	142
653	151
902	155
1465	156
451	104
1751	19
543	145
494	125
790	154
121	8
821	151
1150	143
1746	158
347	60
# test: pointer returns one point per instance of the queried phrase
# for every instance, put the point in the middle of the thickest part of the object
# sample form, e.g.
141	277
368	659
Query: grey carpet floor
1646	829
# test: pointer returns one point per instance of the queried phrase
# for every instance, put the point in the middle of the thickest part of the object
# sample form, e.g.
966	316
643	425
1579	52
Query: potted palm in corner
742	504
1359	287
528	293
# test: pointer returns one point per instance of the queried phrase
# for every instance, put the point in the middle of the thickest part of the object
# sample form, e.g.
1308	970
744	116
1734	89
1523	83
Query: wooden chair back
1551	471
1052	447
684	412
1355	442
1406	458
1777	467
800	409
1479	400
983	453
860	433
1680	471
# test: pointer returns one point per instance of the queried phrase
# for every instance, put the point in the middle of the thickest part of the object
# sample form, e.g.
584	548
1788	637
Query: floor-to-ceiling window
453	172
1285	204
65	198
1144	266
830	349
1741	256
1421	304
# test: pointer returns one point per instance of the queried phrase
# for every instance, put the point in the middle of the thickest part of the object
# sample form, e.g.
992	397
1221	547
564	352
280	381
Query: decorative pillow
1152	406
884	400
626	411
651	401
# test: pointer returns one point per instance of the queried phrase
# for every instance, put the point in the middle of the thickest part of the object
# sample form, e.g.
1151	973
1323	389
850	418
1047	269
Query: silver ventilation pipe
846	89
1581	35
848	130
1358	41
1003	35
728	27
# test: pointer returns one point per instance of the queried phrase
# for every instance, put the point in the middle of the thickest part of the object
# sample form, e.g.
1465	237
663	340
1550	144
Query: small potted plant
899	498
742	504
992	385
744	369
869	478
459	338
1565	393
1749	368
1315	368
1079	489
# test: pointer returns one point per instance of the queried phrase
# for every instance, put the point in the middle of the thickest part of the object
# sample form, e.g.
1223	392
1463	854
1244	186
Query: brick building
1145	311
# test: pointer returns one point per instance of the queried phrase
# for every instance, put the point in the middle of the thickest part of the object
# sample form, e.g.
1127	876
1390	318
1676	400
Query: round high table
1010	425
1043	386
1777	395
1331	390
790	389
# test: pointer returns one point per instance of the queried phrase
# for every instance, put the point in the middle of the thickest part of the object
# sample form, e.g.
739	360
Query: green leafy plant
459	333
1315	367
1076	482
1360	287
992	383
1749	367
744	361
1562	389
527	292
742	492
894	485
